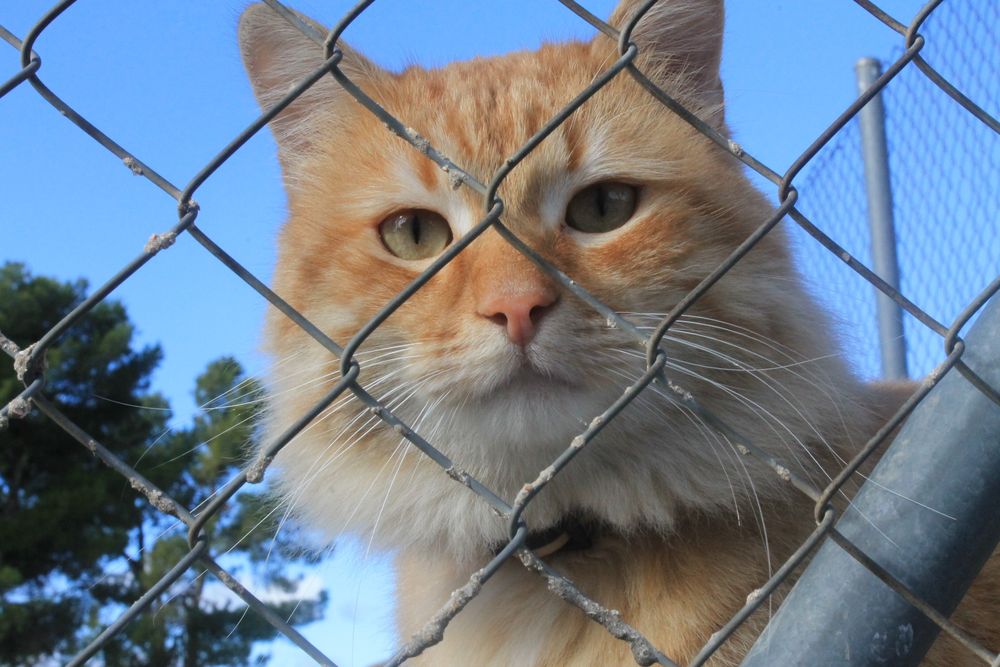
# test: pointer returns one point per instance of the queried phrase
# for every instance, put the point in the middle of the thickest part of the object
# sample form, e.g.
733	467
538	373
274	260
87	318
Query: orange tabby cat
499	368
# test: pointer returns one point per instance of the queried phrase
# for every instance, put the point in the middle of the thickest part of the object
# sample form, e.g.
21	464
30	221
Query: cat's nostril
520	314
538	312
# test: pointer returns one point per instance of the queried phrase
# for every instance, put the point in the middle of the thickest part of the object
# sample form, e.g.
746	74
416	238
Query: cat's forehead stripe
410	184
425	169
487	109
482	112
573	139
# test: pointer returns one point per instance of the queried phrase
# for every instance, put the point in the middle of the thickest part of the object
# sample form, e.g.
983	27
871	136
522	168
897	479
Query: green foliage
77	545
49	483
36	627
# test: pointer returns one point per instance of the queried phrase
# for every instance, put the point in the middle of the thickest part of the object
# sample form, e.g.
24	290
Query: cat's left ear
680	48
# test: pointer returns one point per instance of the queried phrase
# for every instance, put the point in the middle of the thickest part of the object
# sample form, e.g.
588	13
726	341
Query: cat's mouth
530	375
535	366
529	381
537	374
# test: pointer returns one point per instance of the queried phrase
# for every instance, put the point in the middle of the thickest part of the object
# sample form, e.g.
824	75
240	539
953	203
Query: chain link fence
827	216
945	179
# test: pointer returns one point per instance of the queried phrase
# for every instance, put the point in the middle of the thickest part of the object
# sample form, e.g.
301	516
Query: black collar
567	535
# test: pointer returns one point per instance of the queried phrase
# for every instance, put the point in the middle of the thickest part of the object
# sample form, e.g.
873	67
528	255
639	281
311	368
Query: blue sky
165	81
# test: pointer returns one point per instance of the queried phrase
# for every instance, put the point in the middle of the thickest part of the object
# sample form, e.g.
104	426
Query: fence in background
959	287
944	170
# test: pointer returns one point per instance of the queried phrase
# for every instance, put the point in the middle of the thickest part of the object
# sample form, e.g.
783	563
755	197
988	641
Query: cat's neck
698	577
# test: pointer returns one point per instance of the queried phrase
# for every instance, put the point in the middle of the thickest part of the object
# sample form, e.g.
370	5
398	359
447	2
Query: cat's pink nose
518	313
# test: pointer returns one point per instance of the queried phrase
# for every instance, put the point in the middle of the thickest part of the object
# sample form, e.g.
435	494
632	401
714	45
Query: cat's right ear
277	56
680	46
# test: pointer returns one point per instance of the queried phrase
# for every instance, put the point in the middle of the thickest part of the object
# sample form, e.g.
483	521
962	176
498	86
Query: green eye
601	207
415	234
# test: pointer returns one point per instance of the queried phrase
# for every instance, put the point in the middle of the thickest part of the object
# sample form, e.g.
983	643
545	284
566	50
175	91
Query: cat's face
491	329
491	360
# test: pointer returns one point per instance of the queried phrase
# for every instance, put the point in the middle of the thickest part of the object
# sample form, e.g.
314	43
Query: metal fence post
880	220
928	516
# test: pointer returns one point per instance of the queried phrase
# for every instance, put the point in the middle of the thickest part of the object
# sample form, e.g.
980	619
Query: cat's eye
602	207
415	234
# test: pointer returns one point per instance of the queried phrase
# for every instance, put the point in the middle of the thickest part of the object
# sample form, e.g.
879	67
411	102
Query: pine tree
77	544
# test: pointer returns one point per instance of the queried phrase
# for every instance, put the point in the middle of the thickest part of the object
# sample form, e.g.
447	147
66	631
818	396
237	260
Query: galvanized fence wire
29	359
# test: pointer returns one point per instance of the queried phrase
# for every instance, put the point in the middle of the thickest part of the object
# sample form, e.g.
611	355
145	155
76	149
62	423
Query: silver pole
880	220
927	515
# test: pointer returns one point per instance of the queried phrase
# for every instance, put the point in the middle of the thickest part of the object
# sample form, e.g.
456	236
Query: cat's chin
528	412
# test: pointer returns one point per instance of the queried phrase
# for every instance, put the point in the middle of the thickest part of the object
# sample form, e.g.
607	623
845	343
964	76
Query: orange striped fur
683	516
